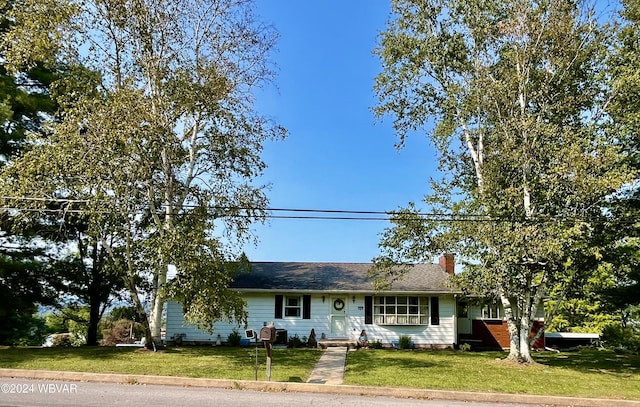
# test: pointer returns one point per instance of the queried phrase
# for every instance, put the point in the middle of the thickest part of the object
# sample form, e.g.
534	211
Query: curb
315	388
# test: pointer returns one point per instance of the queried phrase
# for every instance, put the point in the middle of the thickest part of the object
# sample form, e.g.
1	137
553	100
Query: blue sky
338	156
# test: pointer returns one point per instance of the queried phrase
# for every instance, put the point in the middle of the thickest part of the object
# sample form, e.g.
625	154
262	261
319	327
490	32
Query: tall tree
29	88
25	102
162	152
624	233
515	95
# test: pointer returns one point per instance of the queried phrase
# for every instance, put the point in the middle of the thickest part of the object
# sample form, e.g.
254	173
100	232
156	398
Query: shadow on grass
585	361
362	362
592	361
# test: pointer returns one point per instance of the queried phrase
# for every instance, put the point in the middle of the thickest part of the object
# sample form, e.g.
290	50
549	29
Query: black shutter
435	311
278	311
306	307
368	310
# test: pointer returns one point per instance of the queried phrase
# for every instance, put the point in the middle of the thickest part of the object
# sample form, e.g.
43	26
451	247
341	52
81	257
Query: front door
463	322
338	317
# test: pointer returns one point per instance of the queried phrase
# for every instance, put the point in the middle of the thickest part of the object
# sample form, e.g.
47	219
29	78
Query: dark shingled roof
338	277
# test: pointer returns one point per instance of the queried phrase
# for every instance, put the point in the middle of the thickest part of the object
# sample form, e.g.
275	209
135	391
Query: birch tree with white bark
513	96
162	149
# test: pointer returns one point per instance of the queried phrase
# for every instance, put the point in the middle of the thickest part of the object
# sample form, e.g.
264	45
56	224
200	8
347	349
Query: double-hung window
292	306
401	310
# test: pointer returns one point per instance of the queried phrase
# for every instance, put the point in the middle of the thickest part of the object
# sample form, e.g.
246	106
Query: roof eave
364	292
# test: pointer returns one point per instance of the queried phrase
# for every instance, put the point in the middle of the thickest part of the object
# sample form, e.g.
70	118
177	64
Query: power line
280	213
293	213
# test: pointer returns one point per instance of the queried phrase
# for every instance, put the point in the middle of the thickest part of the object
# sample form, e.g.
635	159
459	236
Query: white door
338	317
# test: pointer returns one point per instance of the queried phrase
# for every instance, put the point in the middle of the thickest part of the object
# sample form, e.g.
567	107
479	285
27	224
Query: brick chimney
448	263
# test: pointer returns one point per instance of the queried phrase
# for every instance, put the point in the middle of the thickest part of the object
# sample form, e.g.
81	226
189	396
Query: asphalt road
25	392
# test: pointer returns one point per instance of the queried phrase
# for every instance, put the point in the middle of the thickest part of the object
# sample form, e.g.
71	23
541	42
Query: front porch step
332	343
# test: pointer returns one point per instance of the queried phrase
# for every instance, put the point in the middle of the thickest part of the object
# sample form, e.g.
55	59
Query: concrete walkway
330	367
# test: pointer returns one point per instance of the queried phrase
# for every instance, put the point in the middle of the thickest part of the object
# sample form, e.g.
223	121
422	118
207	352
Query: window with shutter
435	311
278	307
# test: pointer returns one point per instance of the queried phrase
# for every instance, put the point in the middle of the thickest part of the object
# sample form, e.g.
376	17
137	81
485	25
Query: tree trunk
519	326
525	332
155	315
142	315
96	296
94	313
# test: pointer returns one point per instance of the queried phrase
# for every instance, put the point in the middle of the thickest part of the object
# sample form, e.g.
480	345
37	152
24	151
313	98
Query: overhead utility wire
295	213
306	214
215	211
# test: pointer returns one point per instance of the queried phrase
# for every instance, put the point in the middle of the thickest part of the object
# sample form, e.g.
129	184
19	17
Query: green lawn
288	365
588	373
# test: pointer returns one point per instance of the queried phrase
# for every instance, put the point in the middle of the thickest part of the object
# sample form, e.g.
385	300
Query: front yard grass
288	365
587	373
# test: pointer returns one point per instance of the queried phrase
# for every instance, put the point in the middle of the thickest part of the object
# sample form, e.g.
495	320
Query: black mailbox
268	333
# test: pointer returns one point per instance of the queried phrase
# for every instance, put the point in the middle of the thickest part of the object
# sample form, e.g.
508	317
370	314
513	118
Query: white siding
261	310
442	334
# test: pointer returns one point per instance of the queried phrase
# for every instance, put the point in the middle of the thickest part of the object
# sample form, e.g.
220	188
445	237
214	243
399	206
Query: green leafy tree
29	89
21	289
25	281
25	100
72	319
161	152
515	95
87	278
624	68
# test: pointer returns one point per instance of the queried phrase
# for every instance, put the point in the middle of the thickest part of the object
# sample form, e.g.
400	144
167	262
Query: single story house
338	301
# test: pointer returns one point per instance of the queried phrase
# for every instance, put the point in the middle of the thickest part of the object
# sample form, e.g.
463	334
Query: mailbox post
251	334
268	336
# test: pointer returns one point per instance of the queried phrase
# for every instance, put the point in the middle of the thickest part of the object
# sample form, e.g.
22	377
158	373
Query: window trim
487	311
297	307
304	305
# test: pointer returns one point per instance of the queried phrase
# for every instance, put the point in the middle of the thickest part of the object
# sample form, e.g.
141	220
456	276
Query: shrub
62	341
312	342
619	338
296	342
465	347
234	338
405	342
115	332
377	344
34	331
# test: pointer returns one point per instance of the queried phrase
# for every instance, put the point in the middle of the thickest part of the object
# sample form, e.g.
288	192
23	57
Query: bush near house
234	338
296	342
405	342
